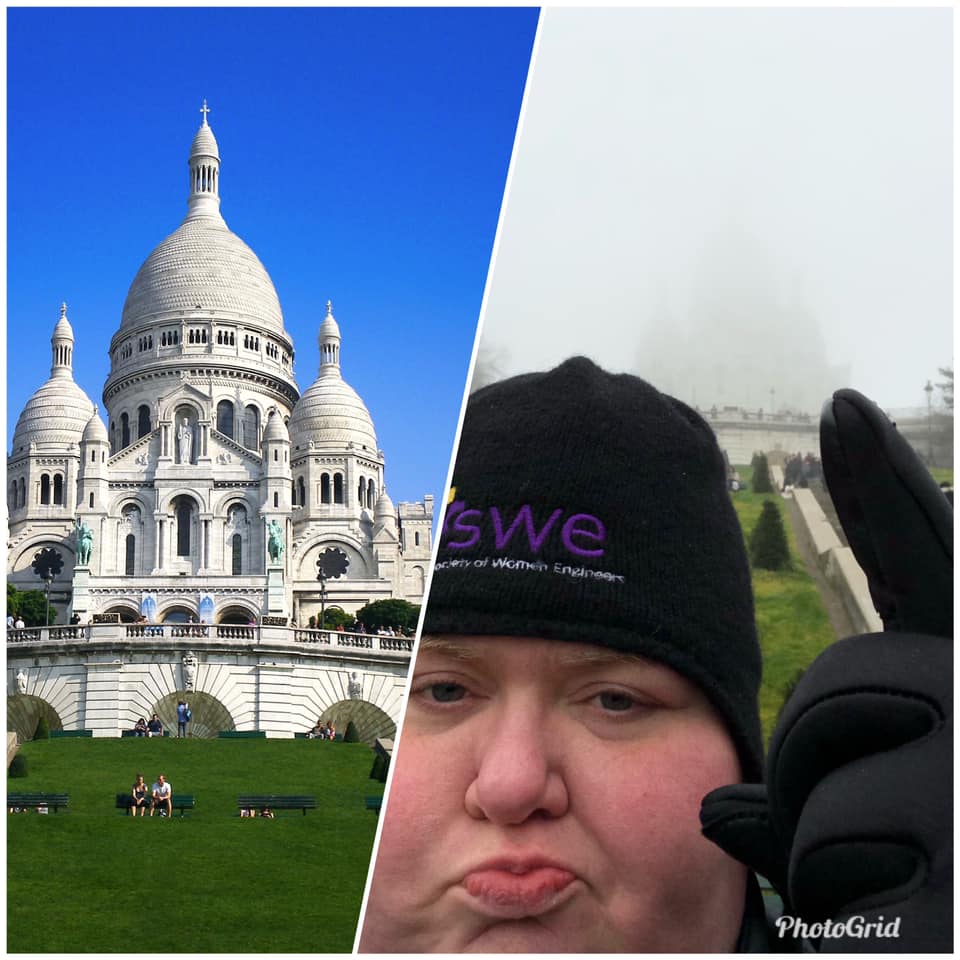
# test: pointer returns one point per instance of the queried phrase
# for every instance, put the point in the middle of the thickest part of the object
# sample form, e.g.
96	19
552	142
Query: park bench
373	803
133	733
181	802
242	734
33	800
258	802
55	734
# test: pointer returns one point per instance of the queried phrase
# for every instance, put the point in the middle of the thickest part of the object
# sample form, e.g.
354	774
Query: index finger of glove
897	520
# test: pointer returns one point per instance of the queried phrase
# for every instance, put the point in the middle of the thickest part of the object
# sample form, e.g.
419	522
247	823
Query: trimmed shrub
379	769
18	768
768	542
761	474
43	729
350	735
389	613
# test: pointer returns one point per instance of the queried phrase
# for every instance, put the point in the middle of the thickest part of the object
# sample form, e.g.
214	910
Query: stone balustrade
243	633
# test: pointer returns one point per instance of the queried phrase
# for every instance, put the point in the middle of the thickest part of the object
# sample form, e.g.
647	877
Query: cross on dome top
205	110
63	309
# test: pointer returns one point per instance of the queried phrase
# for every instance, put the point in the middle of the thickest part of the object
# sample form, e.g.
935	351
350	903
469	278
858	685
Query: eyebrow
598	656
449	648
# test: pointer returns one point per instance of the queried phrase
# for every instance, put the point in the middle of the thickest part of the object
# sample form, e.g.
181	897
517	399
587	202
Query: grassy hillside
92	879
791	619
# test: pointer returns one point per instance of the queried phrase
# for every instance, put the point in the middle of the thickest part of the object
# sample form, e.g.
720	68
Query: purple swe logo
581	534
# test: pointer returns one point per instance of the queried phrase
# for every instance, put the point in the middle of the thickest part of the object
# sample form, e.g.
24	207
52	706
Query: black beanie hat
587	506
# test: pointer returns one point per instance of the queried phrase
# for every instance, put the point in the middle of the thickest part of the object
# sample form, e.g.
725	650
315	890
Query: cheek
425	797
668	878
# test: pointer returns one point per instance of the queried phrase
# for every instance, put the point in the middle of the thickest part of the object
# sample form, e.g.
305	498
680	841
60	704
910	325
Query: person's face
160	779
546	798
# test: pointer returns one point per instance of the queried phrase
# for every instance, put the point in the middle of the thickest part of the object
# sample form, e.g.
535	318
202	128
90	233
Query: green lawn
92	879
791	619
940	474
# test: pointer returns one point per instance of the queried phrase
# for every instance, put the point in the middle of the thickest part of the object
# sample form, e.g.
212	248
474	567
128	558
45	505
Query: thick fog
747	207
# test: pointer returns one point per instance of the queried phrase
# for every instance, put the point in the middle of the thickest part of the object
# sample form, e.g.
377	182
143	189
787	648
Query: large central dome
202	264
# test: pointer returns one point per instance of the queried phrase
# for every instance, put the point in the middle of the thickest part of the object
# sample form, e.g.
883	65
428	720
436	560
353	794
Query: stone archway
371	722
126	614
24	712
236	615
210	716
178	614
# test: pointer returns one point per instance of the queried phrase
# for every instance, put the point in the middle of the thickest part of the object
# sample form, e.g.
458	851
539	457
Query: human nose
519	773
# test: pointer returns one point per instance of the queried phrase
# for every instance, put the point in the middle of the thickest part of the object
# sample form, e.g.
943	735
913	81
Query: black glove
855	819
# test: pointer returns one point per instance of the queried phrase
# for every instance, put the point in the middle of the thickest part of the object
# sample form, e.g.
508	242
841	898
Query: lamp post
928	389
48	580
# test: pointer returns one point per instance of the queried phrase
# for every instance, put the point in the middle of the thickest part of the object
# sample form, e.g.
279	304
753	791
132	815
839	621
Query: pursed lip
518	887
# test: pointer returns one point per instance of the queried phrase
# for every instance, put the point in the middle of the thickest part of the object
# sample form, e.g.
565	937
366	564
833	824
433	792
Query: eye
616	701
445	692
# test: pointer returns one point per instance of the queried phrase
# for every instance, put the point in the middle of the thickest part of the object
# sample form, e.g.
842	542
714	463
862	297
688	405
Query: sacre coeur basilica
194	510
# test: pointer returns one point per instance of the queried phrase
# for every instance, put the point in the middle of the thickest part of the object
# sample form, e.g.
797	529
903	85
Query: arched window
362	493
301	486
131	546
124	430
276	499
416	539
58	489
251	428
91	498
143	420
371	492
23	492
293	493
45	488
236	545
93	456
325	488
225	418
338	488
184	514
12	502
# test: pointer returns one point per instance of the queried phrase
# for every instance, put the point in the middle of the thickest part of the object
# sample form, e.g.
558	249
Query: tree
43	729
29	604
389	613
334	617
13	595
768	542
761	474
350	735
947	386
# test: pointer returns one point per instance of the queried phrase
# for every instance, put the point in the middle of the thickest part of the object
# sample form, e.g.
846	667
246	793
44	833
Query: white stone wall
280	687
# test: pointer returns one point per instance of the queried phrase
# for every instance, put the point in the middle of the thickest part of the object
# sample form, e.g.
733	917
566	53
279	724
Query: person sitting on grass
139	796
267	813
247	812
154	727
162	797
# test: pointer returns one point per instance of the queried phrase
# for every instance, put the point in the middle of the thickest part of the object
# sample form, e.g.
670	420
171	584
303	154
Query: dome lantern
328	338
62	347
204	199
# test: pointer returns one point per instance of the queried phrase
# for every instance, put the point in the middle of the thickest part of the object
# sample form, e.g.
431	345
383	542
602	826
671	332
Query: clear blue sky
364	156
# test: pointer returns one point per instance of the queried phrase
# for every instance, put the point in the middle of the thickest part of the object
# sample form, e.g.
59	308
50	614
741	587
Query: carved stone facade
205	447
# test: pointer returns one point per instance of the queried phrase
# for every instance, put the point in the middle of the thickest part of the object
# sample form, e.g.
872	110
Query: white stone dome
275	429
331	414
95	429
57	413
203	264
